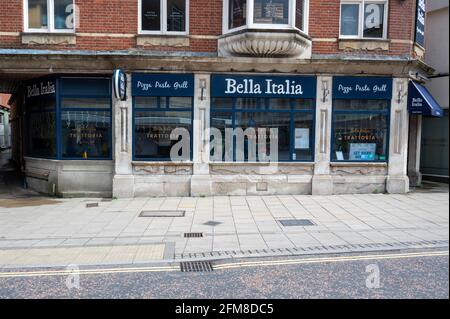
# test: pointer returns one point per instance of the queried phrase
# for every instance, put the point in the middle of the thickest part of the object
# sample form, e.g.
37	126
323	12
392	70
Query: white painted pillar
322	183
397	180
123	181
200	181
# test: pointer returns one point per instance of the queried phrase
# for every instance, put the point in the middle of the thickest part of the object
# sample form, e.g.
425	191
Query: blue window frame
69	118
85	118
360	130
291	116
154	119
41	127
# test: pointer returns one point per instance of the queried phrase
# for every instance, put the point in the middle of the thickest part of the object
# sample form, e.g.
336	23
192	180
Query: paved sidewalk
244	226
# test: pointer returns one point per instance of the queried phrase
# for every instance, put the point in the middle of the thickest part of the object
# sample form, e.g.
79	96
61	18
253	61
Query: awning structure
421	102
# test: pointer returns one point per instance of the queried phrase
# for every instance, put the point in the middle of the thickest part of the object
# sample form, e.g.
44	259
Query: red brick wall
324	24
121	17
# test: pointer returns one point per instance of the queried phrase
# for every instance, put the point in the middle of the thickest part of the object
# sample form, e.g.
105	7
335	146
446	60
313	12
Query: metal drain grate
196	266
193	235
296	222
162	213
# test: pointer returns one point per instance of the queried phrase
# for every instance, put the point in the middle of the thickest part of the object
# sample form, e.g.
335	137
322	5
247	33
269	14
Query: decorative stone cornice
49	38
265	43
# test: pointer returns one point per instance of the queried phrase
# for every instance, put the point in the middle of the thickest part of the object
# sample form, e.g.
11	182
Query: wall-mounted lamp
325	91
202	87
401	93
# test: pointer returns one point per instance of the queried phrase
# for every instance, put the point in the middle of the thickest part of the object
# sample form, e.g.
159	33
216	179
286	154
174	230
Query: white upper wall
433	5
436	44
436	35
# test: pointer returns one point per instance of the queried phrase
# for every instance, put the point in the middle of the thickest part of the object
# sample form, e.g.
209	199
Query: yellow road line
100	271
329	260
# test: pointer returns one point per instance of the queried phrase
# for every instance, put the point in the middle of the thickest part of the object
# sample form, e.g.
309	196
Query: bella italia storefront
179	135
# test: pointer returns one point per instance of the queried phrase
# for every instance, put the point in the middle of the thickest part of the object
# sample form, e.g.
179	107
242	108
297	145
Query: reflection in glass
299	14
37	14
153	132
176	15
151	15
85	134
64	11
349	19
42	134
237	16
373	20
271	11
360	137
257	120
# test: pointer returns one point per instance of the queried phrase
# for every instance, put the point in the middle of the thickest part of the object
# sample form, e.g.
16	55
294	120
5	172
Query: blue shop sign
369	88
248	86
420	22
162	84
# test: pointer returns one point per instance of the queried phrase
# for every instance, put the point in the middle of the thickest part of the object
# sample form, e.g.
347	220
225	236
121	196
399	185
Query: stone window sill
162	40
358	164
161	163
49	38
364	45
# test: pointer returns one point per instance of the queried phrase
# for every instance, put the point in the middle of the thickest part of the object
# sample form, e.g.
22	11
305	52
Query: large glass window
50	15
237	14
41	131
85	120
163	16
155	119
266	13
363	19
360	130
271	11
293	120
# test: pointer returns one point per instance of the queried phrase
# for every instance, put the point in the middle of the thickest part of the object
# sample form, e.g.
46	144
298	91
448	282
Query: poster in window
362	151
302	138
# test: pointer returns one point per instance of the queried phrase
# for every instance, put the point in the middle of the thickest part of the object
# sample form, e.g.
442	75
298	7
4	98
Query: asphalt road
413	276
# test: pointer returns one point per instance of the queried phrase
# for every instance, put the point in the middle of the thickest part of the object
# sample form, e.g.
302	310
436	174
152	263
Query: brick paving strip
72	232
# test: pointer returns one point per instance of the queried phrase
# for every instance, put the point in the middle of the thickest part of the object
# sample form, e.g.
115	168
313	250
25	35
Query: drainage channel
196	266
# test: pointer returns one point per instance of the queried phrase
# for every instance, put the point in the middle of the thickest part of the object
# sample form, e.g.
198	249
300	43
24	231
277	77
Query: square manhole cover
162	213
296	222
212	223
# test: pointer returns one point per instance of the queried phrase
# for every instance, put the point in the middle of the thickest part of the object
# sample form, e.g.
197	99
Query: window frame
163	21
262	107
291	25
161	109
59	110
361	4
51	19
386	113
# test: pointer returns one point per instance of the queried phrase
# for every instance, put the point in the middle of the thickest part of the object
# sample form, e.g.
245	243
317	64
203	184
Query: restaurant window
164	16
49	15
360	130
41	131
271	14
85	119
293	119
363	19
155	119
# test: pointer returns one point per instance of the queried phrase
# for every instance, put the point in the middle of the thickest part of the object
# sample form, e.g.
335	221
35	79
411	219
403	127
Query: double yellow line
244	264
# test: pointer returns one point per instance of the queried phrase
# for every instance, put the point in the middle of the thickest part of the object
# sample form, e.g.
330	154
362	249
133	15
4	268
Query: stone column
123	181
322	183
397	180
200	181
